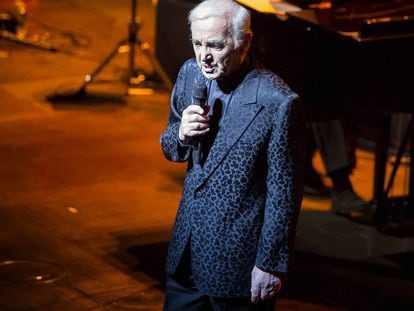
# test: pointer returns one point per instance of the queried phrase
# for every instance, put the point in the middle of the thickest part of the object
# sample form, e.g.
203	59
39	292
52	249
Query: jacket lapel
241	111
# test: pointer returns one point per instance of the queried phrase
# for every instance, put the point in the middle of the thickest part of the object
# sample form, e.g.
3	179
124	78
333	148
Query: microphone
200	95
200	99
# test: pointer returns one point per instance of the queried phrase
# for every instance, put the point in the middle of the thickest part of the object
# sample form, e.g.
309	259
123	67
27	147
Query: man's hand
264	285
194	123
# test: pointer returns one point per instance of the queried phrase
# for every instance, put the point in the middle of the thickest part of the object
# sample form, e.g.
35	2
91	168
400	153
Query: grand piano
344	58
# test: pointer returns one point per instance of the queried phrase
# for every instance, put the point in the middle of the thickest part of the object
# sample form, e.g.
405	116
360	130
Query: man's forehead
214	23
210	30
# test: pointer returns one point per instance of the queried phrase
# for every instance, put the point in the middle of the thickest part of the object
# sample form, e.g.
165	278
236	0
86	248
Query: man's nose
205	53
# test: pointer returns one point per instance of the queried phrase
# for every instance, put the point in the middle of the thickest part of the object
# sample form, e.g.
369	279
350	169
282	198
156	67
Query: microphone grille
200	91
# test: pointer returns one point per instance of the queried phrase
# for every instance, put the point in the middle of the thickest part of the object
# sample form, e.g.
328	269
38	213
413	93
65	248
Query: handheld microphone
200	95
200	99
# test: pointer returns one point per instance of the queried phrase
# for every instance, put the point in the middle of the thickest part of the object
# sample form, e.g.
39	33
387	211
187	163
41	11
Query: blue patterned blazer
240	208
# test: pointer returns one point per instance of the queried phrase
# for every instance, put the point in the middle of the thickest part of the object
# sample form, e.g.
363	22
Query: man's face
214	48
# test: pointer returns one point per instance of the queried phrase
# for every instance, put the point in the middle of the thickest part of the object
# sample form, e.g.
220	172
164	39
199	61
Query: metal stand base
9	36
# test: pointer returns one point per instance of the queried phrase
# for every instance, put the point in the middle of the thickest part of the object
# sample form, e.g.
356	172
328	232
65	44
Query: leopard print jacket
240	208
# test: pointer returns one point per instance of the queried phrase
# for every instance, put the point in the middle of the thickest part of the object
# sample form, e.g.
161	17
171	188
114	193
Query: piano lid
363	19
358	19
263	6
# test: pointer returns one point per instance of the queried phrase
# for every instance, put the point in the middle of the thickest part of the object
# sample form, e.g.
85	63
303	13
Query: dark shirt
218	102
219	99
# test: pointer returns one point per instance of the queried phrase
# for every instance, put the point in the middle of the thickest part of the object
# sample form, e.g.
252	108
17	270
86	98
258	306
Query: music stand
132	40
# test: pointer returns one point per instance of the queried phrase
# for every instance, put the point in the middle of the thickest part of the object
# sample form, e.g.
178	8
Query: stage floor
87	199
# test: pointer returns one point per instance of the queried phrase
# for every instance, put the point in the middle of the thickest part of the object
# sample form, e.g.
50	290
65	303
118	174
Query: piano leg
411	184
398	220
382	139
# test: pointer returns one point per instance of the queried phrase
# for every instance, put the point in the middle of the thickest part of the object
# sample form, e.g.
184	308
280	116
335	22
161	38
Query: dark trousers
181	294
179	297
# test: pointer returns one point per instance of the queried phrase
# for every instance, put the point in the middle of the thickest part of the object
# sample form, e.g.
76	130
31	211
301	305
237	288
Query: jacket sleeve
285	160
171	147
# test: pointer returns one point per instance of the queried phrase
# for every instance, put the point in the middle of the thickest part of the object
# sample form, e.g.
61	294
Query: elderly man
232	238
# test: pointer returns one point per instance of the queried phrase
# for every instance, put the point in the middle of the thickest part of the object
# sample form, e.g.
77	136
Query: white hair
236	15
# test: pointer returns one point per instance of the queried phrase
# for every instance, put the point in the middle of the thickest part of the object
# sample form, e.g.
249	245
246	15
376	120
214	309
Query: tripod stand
132	42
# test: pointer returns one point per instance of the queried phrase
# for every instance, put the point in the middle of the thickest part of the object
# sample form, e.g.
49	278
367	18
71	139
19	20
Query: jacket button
199	193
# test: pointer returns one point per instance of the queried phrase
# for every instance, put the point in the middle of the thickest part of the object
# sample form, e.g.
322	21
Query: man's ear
247	41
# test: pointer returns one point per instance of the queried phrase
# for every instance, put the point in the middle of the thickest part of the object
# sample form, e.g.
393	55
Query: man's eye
217	46
196	43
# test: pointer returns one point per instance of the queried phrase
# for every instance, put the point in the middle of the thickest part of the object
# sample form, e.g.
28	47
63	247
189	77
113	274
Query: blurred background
87	200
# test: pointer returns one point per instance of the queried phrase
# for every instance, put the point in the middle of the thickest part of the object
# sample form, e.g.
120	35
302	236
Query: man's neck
230	82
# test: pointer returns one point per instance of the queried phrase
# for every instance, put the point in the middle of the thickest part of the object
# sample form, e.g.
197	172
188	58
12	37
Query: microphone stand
132	41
